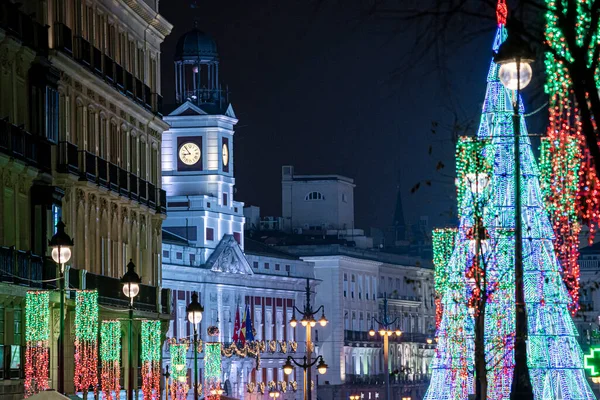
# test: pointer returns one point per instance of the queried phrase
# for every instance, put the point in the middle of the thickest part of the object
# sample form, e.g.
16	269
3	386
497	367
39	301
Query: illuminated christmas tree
486	193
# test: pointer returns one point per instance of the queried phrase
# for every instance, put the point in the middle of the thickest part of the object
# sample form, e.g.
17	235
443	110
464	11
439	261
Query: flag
243	330
249	329
236	327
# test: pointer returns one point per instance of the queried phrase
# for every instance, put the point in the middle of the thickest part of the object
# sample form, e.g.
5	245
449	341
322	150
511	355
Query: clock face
189	153
225	154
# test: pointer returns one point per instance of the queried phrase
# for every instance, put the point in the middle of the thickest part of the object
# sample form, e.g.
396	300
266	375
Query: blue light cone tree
554	357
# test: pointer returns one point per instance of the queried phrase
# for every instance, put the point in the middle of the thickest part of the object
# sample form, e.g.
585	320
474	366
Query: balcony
143	195
22	26
97	59
108	69
400	300
162	205
87	161
133	187
157	104
360	337
123	183
401	378
139	91
83	52
102	172
20	268
113	177
129	84
68	158
151	195
120	77
147	97
19	144
63	38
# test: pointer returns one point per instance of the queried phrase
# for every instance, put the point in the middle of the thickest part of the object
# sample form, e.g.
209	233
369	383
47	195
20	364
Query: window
266	265
210	234
255	264
287	268
238	237
192	258
179	255
165	253
52	114
344	198
277	268
224	199
314	196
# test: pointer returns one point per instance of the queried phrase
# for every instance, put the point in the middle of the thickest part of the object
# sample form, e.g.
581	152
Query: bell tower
197	150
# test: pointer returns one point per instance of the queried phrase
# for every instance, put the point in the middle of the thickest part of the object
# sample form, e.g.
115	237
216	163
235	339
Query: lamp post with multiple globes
131	287
61	245
386	331
194	312
309	322
514	57
354	397
288	368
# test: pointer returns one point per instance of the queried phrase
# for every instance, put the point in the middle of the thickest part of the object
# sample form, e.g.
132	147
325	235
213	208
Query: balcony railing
83	52
379	379
151	195
123	183
20	144
68	158
108	69
87	161
63	38
23	26
102	172
97	60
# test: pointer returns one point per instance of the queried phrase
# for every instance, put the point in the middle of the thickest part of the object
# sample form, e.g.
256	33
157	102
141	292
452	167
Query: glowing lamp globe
372	332
288	367
514	56
382	332
293	321
477	181
312	322
322	367
389	333
509	76
61	244
179	367
323	321
304	321
194	310
398	332
429	341
131	281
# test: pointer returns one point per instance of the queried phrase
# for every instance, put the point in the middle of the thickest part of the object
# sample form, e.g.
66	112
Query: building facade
80	141
204	249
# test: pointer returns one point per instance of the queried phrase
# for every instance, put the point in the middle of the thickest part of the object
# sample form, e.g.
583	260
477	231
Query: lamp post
194	312
514	56
131	287
61	245
308	321
386	331
167	375
305	365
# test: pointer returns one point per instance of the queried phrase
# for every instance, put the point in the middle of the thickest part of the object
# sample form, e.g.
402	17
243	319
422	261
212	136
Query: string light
554	356
110	356
212	367
86	340
151	359
179	386
443	244
37	334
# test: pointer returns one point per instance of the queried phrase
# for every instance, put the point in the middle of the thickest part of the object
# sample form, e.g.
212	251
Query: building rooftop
256	248
308	178
171	238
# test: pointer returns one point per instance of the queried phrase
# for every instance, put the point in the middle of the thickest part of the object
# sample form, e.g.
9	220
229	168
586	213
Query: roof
171	238
252	247
196	44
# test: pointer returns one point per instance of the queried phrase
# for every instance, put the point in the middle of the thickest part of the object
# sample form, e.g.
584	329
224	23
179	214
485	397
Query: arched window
314	196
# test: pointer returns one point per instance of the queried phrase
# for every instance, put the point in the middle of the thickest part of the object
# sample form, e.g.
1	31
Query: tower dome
196	44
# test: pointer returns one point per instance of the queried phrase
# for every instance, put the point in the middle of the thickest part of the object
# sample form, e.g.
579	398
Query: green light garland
37	334
151	341
212	367
471	159
86	340
179	387
110	355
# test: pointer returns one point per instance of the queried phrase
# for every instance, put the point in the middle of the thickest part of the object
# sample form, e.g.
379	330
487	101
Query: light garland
572	187
37	334
212	367
443	245
151	343
554	357
110	356
179	386
86	340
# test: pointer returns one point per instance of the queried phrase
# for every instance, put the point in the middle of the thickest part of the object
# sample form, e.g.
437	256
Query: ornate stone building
80	139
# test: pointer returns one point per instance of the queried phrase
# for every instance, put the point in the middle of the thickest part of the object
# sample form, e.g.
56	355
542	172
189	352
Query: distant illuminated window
314	196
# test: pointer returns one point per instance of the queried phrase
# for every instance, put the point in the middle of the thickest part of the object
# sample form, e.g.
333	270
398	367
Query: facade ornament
213	297
8	179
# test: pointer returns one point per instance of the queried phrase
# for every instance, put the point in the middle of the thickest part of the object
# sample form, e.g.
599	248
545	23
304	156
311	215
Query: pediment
187	108
228	257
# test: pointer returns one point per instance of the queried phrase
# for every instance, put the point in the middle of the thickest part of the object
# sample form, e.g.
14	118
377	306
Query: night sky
326	89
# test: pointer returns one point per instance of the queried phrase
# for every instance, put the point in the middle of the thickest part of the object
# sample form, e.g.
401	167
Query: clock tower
197	152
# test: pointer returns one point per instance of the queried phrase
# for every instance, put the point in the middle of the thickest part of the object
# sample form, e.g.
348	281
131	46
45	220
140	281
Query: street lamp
131	287
386	331
514	56
61	245
308	321
194	312
305	365
354	397
274	394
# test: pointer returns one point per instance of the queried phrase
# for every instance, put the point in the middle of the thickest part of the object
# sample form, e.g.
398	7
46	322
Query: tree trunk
481	383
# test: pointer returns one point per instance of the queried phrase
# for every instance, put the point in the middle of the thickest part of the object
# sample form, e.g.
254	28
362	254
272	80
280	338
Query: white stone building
204	249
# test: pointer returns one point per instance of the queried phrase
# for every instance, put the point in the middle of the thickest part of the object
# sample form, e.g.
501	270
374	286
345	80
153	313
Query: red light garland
37	333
